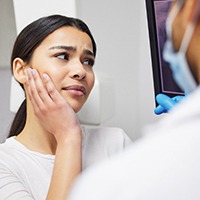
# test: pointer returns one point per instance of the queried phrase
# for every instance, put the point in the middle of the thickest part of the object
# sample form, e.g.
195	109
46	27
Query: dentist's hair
26	43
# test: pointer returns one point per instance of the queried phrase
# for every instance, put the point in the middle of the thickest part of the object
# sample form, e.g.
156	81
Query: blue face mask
177	60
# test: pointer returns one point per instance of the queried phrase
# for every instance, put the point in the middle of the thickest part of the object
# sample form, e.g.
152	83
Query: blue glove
166	103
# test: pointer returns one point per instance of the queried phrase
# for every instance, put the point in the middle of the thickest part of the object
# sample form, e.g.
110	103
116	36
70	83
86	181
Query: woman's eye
62	56
89	62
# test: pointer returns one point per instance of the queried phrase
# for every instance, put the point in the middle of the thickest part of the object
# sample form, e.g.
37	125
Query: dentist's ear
19	70
189	8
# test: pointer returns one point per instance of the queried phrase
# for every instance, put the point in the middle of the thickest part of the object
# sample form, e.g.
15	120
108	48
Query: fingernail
29	71
26	78
45	76
33	71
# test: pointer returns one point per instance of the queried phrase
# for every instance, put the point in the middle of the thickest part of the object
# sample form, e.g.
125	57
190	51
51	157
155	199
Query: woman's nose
79	75
77	71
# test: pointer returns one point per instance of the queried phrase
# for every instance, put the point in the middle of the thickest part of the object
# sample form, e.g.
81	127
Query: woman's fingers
32	90
37	92
42	92
52	91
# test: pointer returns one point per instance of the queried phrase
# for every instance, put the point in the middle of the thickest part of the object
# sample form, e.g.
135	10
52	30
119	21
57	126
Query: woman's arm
59	119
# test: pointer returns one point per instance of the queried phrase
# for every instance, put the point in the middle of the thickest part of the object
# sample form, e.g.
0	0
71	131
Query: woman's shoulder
103	131
108	134
7	153
8	149
11	146
100	143
12	151
7	145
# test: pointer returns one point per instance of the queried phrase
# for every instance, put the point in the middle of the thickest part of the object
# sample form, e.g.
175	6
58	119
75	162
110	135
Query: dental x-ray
157	12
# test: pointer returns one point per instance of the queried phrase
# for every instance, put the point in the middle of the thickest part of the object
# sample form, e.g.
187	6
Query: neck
35	138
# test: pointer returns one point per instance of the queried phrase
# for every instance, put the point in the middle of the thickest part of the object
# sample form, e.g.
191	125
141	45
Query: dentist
165	163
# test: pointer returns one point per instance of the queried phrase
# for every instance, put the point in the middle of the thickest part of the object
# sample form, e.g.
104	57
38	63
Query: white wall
7	36
7	32
120	30
28	11
5	115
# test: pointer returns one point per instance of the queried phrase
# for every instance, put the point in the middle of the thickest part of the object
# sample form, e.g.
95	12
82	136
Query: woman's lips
76	90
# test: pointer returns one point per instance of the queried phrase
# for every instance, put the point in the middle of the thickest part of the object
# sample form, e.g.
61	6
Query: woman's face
67	57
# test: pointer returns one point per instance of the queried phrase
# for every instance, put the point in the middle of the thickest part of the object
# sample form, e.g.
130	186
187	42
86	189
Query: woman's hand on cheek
55	115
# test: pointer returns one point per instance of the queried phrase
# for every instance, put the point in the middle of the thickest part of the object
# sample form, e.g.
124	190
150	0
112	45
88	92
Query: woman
53	60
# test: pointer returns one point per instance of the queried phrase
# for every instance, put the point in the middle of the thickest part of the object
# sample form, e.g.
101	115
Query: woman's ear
19	70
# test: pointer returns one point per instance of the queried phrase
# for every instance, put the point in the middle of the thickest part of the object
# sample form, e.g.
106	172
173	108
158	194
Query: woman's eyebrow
88	52
68	48
71	48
